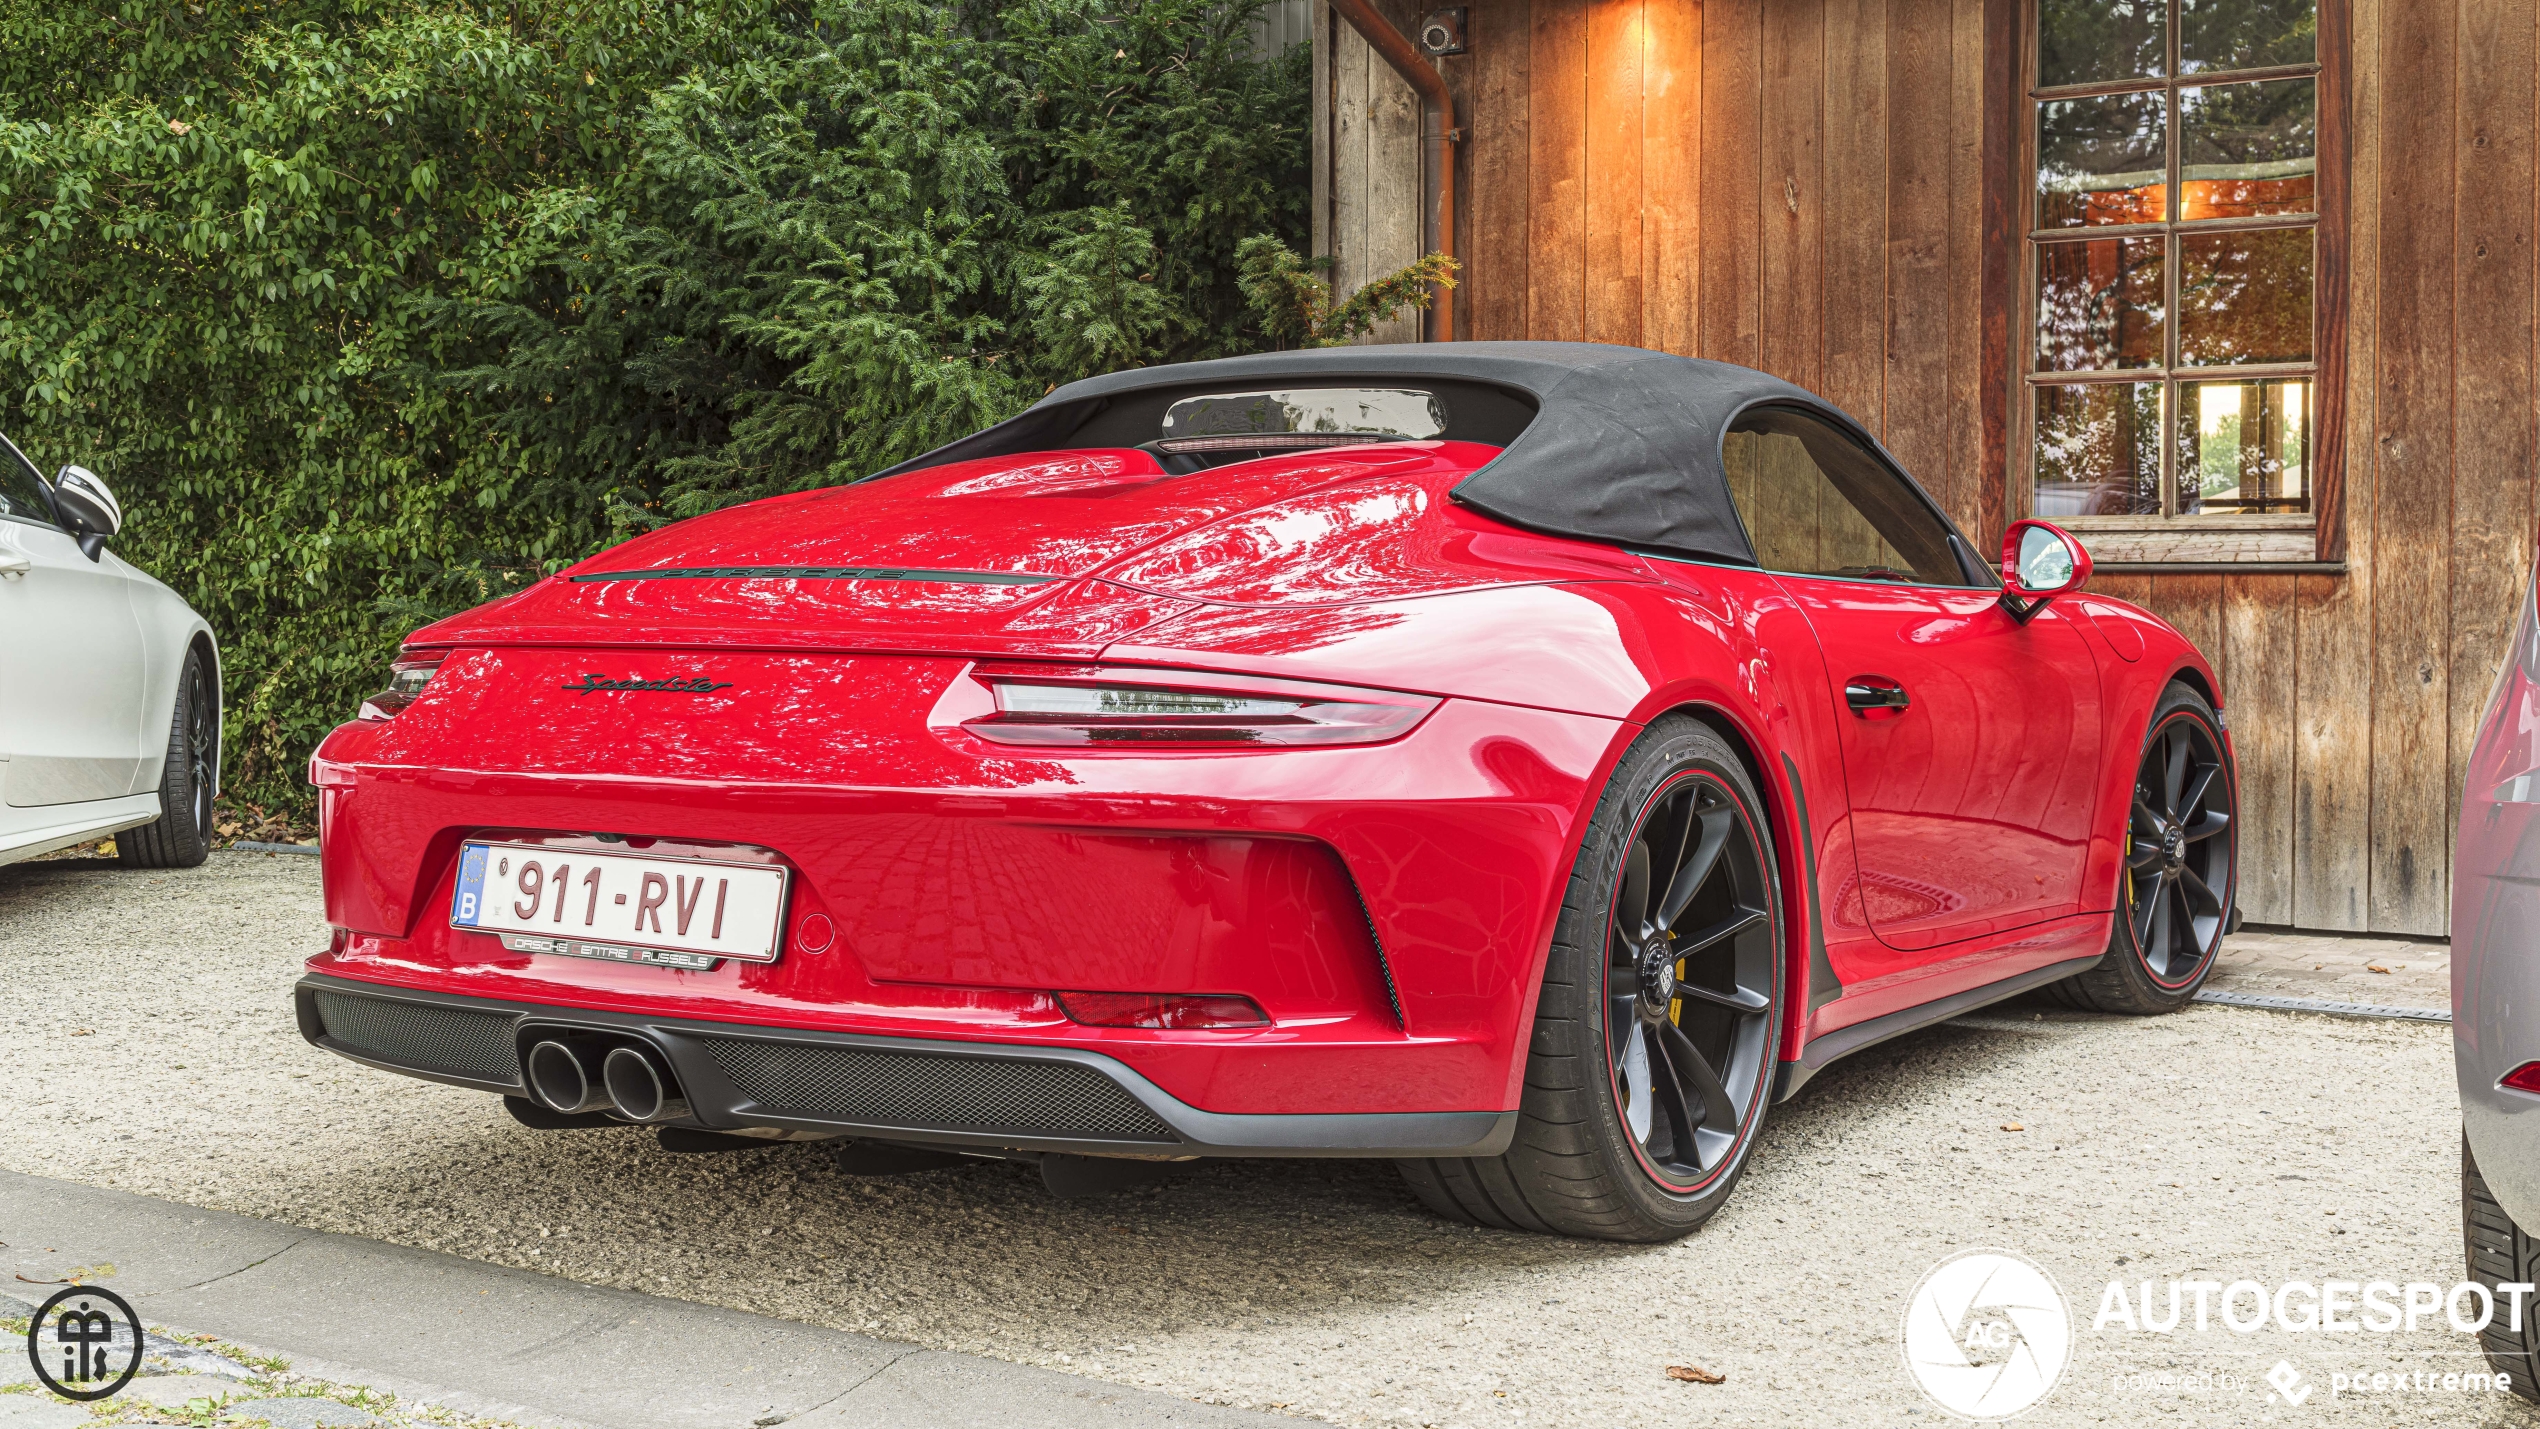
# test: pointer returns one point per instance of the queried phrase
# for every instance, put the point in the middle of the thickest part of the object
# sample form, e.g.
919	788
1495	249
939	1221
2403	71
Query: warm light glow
2220	401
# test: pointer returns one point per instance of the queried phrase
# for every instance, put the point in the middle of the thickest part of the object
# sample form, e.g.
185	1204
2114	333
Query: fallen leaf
1695	1374
2375	968
179	128
83	1032
2013	1126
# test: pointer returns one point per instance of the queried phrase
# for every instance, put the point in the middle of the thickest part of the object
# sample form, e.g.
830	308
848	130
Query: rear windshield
1188	428
1400	413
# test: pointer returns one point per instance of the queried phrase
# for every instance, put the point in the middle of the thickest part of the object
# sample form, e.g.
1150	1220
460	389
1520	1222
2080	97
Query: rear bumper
1387	906
985	1095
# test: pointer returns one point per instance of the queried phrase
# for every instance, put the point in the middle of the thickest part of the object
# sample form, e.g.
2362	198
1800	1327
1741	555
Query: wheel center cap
2172	846
1657	977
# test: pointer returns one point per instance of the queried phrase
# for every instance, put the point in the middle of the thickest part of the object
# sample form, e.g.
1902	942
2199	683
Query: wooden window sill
2117	542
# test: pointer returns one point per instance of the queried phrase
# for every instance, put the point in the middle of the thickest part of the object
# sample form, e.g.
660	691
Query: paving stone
25	1411
304	1412
170	1391
161	1355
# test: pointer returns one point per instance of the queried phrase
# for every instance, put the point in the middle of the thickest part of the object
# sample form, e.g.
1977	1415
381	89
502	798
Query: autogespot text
2380	1307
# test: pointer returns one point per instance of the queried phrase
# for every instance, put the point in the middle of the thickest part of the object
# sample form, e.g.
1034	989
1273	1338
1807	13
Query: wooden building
2242	291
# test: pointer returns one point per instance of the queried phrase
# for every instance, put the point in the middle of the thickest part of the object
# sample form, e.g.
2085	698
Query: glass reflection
2246	34
2102	160
2244	447
2100	305
2098	450
2248	150
2101	41
2244	297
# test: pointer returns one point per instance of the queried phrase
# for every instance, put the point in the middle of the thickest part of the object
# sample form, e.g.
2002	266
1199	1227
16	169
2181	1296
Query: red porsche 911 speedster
1524	761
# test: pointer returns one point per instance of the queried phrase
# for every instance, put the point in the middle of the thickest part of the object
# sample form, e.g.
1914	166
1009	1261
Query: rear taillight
1165	1011
1162	709
2525	1078
406	679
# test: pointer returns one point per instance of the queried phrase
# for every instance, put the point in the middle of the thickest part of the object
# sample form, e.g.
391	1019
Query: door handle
13	565
1875	696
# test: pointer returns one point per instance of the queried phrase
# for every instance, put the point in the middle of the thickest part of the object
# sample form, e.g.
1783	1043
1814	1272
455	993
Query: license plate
669	912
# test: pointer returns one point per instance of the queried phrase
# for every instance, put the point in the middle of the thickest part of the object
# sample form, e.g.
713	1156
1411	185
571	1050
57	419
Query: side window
21	490
1817	503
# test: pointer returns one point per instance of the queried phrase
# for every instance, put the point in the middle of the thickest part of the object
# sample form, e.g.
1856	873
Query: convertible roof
1623	445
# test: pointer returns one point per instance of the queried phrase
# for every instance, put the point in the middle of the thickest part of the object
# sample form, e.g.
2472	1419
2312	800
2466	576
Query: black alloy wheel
2177	867
181	837
201	753
1650	1069
1689	981
2175	888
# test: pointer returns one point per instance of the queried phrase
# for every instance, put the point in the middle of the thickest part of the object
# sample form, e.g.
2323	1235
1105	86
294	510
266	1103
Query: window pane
2100	41
21	489
2102	160
2247	150
2244	297
2099	450
2100	305
1817	503
2246	34
2244	447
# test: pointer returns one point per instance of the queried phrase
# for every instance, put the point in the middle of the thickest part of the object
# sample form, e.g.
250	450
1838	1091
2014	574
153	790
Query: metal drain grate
2333	1009
915	1090
458	1040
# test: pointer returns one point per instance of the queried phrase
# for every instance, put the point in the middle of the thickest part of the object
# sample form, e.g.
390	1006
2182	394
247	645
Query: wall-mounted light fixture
1442	32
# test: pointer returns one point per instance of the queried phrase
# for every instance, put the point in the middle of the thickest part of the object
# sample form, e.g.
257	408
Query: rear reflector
2525	1078
1173	1012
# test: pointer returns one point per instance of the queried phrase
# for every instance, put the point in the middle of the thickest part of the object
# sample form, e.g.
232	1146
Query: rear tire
182	836
2176	887
1652	1059
2500	1254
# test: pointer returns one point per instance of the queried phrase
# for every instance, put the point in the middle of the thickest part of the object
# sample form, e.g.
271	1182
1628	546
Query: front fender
2131	685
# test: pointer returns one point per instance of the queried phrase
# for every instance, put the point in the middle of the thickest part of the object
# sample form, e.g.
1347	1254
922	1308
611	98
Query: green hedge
372	311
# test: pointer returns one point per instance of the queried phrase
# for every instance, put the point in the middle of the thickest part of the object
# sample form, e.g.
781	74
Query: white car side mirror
87	507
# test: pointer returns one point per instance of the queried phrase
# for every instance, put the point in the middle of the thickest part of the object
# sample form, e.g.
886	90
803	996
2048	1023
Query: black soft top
1612	444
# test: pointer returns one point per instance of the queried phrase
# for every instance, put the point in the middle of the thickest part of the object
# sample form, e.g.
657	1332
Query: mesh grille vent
911	1089
413	1034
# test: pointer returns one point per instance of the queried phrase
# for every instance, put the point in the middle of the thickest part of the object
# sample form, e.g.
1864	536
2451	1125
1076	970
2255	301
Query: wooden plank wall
1795	185
1368	140
1798	185
2353	698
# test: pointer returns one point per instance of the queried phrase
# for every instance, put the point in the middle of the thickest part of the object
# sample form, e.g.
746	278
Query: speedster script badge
697	685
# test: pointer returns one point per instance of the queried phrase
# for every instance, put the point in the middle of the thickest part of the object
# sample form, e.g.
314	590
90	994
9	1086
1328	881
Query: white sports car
109	683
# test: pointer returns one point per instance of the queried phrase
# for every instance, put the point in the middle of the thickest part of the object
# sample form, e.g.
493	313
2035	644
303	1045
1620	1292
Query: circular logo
72	1340
1986	1334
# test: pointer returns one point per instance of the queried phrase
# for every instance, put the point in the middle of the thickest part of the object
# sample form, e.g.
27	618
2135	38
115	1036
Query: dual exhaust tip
624	1079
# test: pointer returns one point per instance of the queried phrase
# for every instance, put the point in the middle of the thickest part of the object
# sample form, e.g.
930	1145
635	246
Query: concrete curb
533	1349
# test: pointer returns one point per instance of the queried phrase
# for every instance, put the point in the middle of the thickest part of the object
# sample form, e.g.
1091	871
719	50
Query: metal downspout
1438	136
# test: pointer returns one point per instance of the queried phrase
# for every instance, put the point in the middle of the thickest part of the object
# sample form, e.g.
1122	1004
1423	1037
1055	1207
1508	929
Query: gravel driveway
146	1020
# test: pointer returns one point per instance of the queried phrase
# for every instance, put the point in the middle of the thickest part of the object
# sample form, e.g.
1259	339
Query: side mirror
2040	561
88	510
